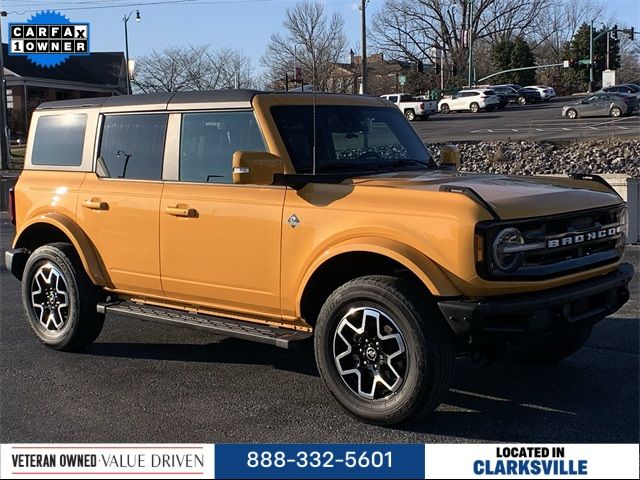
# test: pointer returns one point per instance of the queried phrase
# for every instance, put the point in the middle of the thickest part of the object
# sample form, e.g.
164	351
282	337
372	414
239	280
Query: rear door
119	203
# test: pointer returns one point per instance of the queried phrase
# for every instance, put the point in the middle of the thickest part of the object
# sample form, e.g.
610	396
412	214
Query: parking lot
142	382
538	121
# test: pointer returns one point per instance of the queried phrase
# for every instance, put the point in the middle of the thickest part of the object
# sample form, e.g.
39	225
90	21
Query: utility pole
608	36
363	7
4	137
591	57
441	68
470	40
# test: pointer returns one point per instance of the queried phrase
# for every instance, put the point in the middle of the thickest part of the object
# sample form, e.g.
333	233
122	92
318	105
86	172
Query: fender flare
425	269
88	256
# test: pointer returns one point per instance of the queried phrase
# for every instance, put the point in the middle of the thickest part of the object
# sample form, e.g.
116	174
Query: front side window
132	146
59	140
209	140
350	139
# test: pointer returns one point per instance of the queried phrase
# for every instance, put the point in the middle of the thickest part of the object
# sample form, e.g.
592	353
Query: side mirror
450	155
255	168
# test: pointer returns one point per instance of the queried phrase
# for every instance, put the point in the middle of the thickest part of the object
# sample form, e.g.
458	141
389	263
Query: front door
118	205
220	242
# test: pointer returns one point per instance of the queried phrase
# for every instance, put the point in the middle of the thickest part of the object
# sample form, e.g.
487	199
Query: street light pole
591	57
4	137
470	40
125	19
363	7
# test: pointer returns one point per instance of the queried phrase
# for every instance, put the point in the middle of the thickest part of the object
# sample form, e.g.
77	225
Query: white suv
471	100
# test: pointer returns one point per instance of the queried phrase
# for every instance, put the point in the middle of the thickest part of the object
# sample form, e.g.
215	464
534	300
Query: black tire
558	349
410	115
474	107
444	108
426	364
572	113
67	327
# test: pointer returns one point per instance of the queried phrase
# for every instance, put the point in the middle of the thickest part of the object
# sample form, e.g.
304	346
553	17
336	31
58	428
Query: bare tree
193	68
314	41
408	29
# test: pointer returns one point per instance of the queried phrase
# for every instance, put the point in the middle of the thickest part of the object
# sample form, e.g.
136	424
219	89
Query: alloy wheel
50	298
370	353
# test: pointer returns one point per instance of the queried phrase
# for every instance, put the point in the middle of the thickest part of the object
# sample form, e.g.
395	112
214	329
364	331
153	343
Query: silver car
601	104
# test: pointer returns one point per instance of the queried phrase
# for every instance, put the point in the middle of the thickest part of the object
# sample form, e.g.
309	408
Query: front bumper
523	318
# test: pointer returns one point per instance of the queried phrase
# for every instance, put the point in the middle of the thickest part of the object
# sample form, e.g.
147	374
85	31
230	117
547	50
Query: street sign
402	79
584	61
566	64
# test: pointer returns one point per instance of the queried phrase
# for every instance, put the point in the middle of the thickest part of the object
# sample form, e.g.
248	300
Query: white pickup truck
413	108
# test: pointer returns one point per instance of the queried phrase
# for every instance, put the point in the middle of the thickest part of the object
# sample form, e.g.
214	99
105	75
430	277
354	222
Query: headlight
507	249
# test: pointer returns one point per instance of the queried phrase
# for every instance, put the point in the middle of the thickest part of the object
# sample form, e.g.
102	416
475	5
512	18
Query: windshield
350	139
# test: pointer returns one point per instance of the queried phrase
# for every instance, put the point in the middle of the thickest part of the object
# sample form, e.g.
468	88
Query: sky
241	24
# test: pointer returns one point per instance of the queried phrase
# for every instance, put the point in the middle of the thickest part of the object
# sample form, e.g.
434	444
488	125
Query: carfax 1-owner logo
48	39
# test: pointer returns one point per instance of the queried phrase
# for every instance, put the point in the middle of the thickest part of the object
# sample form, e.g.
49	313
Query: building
382	75
96	75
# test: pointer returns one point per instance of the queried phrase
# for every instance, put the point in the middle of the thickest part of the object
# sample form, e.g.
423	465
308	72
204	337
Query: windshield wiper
404	162
348	166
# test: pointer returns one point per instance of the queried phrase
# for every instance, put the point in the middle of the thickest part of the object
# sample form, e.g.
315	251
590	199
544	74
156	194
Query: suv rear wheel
59	299
410	115
384	353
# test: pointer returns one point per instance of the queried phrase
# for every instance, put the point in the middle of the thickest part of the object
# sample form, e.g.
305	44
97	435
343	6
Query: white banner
532	461
106	461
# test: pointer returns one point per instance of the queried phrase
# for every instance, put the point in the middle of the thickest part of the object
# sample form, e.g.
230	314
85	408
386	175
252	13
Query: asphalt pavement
538	121
142	382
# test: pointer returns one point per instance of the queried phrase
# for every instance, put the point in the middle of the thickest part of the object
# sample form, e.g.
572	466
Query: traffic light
420	66
438	67
614	32
631	33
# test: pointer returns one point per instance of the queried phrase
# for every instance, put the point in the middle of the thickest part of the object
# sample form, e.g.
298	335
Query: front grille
568	243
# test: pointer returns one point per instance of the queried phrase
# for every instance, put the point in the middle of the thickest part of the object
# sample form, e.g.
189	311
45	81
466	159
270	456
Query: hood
510	196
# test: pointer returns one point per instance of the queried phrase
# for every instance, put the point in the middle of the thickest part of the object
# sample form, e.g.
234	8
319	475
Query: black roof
213	96
99	68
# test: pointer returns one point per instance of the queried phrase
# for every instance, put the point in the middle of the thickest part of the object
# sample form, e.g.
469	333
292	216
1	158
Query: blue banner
250	461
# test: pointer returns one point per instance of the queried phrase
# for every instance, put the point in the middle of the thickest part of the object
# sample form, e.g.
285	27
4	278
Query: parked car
532	95
601	104
413	108
546	93
516	94
470	100
207	210
628	88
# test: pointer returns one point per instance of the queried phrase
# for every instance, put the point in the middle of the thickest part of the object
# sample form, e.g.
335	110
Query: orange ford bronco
278	217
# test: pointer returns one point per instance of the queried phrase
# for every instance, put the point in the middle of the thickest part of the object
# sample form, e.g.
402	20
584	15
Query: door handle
95	204
181	210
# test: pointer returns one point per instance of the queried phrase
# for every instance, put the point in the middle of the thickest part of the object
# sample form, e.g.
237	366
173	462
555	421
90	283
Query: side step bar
280	337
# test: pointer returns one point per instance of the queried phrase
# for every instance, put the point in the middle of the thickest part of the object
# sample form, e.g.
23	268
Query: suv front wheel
384	353
59	299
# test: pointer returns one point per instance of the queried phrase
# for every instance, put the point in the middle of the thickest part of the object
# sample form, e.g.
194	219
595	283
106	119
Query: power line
110	4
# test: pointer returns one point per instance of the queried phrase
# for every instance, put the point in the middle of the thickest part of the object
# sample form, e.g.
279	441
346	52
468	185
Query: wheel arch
360	257
55	227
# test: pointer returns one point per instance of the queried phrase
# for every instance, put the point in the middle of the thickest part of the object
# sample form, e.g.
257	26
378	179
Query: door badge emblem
293	221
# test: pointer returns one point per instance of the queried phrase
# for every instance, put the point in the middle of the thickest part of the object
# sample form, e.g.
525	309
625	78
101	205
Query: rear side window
132	146
59	140
209	140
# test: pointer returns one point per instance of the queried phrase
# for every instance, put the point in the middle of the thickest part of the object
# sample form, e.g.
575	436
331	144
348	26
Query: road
142	382
540	121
